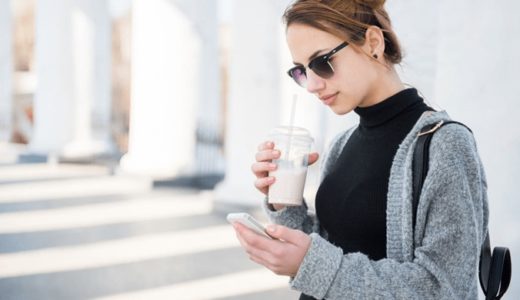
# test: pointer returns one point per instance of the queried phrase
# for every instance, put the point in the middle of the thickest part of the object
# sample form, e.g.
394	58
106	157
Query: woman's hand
282	255
264	157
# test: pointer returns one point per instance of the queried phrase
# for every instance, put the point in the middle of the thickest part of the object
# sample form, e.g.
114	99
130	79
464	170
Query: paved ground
76	232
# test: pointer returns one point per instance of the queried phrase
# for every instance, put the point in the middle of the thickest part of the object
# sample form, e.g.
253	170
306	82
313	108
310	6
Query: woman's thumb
282	233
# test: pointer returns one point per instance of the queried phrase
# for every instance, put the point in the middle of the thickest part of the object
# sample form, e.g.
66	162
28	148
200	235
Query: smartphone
248	221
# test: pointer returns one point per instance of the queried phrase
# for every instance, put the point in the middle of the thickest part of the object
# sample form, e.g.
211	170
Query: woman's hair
346	19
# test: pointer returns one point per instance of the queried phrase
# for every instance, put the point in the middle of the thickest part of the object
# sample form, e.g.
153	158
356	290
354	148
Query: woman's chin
341	110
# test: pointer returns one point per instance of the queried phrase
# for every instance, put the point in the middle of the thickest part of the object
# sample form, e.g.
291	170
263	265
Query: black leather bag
494	267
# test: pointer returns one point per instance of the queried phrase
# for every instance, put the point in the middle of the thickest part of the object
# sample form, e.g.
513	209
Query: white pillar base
134	165
9	153
88	149
234	193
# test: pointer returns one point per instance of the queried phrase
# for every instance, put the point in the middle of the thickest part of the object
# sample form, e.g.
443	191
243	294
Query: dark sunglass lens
321	67
298	74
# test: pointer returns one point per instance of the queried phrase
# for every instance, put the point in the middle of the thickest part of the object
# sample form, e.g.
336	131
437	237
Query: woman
361	243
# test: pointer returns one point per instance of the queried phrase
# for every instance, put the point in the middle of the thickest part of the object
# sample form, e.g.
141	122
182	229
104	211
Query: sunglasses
320	65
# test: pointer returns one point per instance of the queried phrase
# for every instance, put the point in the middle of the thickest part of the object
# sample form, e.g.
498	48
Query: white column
72	100
54	96
92	91
255	94
477	82
165	63
209	99
6	71
208	158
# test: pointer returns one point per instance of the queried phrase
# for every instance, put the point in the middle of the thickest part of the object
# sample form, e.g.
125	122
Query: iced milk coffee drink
294	144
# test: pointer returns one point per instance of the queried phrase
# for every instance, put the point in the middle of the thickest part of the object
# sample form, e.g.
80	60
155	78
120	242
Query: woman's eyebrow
316	53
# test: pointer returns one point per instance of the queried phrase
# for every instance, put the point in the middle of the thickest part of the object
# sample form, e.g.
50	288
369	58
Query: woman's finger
259	261
242	242
261	169
266	146
260	256
254	240
267	155
245	237
265	182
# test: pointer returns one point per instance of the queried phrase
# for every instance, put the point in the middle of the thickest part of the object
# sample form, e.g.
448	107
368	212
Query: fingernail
270	179
272	166
271	228
276	153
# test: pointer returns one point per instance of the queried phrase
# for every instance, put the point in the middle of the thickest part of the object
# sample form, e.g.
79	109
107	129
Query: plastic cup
294	144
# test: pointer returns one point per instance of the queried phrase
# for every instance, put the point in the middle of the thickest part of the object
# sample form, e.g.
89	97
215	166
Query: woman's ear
374	42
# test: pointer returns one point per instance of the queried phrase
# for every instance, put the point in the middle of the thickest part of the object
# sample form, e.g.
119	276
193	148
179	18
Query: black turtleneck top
351	200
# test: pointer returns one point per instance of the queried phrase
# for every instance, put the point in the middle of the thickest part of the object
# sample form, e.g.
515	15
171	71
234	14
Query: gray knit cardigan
440	261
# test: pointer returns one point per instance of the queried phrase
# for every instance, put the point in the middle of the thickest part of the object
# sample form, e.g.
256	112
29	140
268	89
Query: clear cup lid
298	133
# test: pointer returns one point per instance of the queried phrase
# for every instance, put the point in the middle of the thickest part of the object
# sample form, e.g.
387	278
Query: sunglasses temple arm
330	65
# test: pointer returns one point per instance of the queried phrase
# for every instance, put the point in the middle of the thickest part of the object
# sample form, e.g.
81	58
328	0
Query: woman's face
354	72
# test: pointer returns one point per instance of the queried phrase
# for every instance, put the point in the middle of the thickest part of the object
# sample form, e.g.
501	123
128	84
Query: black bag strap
494	268
421	157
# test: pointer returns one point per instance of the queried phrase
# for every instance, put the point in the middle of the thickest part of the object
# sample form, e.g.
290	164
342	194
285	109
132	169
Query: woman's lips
328	99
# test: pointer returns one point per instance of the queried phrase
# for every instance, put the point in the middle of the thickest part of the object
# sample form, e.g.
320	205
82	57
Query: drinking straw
291	125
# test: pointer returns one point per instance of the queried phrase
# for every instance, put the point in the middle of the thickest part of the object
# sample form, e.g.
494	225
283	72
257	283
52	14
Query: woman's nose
314	82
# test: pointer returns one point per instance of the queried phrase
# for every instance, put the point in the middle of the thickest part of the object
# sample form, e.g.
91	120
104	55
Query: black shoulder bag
494	267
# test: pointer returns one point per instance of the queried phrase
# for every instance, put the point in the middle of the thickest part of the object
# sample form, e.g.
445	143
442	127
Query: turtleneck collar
386	110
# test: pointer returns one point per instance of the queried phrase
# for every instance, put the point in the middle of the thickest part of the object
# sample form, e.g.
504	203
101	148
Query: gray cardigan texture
439	259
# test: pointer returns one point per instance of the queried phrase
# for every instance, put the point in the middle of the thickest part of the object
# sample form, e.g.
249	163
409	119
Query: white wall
463	55
477	82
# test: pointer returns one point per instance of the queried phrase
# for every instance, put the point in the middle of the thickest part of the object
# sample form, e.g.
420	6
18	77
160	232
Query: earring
375	56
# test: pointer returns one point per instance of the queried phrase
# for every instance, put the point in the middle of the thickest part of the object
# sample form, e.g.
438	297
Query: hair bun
374	4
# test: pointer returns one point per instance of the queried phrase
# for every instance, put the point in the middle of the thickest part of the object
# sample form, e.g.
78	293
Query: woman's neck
387	84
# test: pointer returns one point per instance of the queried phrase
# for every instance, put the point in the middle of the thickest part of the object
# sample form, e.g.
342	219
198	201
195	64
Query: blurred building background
109	108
